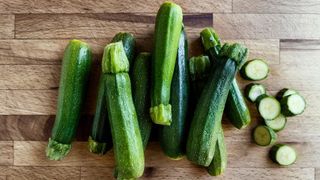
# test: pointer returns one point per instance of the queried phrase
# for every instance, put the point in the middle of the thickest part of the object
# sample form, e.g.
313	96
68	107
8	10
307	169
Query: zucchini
264	136
285	92
74	76
173	137
293	105
255	69
100	140
126	137
283	154
268	107
253	90
167	32
219	162
208	114
140	92
276	124
236	107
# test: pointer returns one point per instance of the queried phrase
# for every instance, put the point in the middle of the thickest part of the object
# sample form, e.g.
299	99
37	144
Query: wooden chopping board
33	34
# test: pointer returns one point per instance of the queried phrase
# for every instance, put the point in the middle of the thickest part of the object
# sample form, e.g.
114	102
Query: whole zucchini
127	143
167	30
140	92
74	76
173	137
208	114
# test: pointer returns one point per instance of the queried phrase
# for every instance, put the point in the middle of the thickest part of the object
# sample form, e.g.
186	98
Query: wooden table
34	33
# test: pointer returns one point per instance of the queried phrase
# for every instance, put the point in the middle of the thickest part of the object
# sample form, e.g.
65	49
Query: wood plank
30	26
317	175
7	26
300	44
267	26
276	6
96	173
14	172
6	155
93	6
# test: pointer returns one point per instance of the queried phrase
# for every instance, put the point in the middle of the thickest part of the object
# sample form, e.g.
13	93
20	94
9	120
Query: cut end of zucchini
253	91
114	59
177	158
161	114
97	147
293	105
277	124
199	67
268	107
264	136
255	70
216	172
236	52
210	39
283	154
57	151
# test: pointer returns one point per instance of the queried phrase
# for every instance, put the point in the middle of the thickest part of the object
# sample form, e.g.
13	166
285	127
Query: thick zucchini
100	140
173	137
207	117
126	137
74	76
236	107
167	32
140	92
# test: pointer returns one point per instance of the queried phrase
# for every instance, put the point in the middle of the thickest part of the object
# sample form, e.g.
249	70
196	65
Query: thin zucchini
268	107
283	154
253	91
293	105
167	32
255	69
73	82
277	124
264	136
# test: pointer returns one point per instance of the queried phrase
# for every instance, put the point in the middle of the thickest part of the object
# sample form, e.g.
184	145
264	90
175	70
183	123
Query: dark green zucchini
73	82
167	31
126	137
140	92
208	114
173	137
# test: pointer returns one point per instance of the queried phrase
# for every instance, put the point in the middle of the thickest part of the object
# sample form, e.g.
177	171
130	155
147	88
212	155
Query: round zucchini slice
264	136
277	124
268	107
283	154
256	69
253	91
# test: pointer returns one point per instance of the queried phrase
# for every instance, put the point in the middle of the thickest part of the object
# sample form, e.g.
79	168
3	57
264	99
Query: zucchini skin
129	44
208	114
173	137
167	32
74	76
127	143
140	91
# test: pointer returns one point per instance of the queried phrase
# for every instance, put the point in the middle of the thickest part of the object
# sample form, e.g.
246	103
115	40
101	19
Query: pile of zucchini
183	100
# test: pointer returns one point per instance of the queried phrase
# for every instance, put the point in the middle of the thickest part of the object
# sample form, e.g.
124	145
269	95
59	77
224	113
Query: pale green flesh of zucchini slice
296	104
256	91
278	123
262	136
286	155
257	70
289	92
269	108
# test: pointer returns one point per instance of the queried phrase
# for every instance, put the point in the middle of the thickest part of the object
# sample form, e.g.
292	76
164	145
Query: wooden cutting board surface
33	34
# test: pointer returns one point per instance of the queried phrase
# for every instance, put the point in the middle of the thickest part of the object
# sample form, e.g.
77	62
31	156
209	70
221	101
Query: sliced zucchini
293	105
255	69
253	91
277	124
285	92
283	154
268	107
264	136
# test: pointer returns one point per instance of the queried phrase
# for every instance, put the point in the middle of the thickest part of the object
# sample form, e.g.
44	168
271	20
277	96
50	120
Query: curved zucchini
173	137
208	114
140	93
167	30
74	76
126	137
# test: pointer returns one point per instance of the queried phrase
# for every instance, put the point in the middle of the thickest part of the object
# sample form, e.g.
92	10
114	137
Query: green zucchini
74	76
173	137
167	32
283	154
255	69
236	107
268	107
126	137
253	90
285	92
208	114
293	105
277	124
140	92
264	136
100	140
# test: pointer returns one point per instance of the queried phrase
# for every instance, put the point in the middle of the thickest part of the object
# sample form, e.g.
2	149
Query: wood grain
6	26
95	6
6	155
267	26
276	6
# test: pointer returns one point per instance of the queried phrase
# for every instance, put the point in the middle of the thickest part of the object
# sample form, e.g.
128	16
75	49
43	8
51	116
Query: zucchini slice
285	92
256	69
293	105
268	107
277	124
253	91
264	136
283	154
